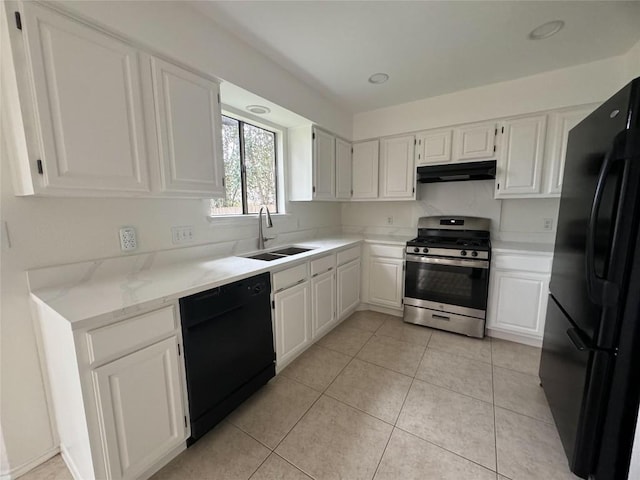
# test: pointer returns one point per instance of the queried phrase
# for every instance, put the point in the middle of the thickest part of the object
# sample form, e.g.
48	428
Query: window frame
278	180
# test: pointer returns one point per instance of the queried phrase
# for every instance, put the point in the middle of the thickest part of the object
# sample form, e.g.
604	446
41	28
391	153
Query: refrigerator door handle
601	291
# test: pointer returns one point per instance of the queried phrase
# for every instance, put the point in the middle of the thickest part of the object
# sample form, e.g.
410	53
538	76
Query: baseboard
377	308
68	460
30	465
515	337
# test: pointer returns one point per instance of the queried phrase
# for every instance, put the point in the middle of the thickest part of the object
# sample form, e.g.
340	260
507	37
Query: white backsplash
474	199
511	220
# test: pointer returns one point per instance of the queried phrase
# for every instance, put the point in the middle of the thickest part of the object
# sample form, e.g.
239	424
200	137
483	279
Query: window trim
278	140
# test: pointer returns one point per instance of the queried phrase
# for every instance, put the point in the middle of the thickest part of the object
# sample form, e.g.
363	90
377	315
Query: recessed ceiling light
378	78
258	109
546	30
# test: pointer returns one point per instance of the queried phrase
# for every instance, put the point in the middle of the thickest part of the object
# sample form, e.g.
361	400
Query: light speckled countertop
91	292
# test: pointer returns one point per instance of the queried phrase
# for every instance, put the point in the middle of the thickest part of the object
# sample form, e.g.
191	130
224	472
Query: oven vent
457	172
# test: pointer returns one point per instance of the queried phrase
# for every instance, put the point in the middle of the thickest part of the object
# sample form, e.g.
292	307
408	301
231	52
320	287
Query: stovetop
451	242
452	237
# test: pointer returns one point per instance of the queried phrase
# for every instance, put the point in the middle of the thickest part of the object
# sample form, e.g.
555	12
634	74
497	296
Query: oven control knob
463	253
474	254
425	250
416	250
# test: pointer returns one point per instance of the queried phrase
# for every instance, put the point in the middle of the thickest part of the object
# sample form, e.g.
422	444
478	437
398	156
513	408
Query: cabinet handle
440	317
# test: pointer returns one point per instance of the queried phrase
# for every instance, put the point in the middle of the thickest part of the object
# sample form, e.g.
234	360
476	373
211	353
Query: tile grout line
314	402
401	407
495	423
446	449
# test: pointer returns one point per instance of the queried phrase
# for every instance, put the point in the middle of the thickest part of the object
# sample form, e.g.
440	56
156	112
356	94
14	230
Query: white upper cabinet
521	156
397	168
365	169
343	169
475	142
188	122
433	147
560	123
88	106
312	164
324	165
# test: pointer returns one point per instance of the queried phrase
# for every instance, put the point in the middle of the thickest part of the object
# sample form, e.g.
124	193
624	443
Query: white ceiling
427	47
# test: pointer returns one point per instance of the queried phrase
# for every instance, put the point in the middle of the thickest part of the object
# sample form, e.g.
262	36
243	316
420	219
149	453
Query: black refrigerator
590	365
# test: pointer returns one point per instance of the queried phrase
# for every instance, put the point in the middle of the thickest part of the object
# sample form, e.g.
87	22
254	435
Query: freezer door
575	381
592	235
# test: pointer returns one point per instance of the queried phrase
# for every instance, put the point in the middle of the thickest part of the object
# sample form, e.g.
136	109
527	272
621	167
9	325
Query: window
249	168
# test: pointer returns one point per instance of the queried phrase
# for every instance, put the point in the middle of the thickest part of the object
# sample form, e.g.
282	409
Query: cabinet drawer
348	255
525	263
388	251
107	341
323	264
289	277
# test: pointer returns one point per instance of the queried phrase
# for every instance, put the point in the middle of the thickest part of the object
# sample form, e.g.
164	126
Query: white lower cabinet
118	391
348	287
323	295
383	276
386	277
142	412
292	322
518	294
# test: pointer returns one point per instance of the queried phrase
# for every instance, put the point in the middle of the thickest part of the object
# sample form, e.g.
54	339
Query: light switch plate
128	240
182	234
548	224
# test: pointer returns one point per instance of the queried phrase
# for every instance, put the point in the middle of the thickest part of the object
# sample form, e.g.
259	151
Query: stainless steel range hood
457	172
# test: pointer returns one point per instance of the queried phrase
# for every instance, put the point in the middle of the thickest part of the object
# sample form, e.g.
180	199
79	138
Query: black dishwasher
228	348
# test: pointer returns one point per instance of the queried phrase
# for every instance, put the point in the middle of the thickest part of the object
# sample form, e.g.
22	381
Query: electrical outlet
548	224
182	234
389	220
128	240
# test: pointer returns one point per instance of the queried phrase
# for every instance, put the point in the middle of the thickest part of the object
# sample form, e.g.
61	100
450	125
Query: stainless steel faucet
261	237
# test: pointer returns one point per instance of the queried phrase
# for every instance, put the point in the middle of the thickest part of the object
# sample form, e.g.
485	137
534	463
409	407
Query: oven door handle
449	261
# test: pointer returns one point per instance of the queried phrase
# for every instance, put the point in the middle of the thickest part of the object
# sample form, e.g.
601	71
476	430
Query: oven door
453	285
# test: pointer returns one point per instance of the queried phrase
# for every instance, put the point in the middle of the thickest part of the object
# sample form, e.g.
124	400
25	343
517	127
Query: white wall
48	231
582	84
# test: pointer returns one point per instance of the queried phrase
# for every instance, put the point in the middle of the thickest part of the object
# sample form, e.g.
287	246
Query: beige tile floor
381	399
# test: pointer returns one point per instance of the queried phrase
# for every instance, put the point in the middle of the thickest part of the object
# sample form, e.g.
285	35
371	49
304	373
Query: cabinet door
188	123
343	169
433	147
397	168
88	99
142	411
365	169
324	165
386	278
562	123
518	302
475	142
521	156
293	322
348	288
323	301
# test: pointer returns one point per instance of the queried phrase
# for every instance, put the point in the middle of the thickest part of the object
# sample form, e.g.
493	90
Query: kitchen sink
278	254
291	251
267	257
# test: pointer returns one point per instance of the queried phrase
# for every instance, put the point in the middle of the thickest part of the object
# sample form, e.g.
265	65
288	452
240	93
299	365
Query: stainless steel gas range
447	274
